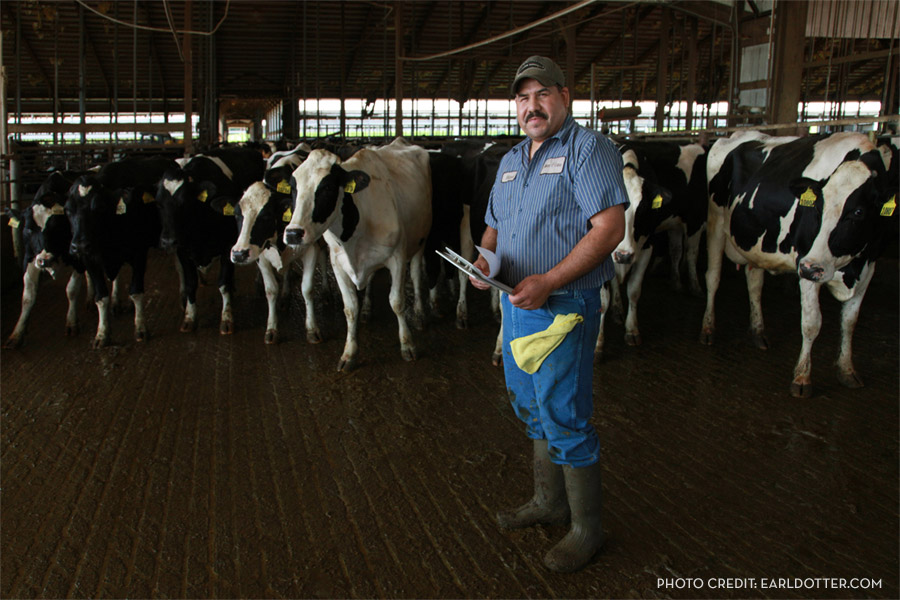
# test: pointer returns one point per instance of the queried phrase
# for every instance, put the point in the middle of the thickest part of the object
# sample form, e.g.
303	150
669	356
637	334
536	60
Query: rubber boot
585	535
548	506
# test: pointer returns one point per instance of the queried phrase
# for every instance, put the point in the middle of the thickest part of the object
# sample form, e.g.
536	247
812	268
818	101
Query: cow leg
136	292
366	310
73	289
715	247
351	312
270	282
310	257
29	295
676	250
398	305
495	305
182	283
810	324
467	249
635	283
604	309
615	300
691	255
755	277
188	272
102	300
497	354
115	306
226	287
416	271
847	375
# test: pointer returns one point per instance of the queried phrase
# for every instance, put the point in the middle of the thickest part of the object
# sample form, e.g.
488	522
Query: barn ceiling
265	51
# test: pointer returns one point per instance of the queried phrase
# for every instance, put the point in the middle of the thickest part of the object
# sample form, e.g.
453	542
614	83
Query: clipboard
469	269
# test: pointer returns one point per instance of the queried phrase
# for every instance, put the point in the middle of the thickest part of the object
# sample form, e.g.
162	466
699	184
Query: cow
46	236
814	206
115	221
262	214
196	202
373	210
666	185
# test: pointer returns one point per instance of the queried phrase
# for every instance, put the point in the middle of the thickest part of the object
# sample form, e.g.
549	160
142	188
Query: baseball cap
541	68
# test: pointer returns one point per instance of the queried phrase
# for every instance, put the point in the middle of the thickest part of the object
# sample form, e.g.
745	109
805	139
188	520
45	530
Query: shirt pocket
558	194
503	203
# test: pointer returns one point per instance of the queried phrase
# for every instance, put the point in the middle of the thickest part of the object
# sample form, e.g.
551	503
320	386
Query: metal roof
265	51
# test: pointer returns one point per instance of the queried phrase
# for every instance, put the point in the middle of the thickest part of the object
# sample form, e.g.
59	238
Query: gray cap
540	68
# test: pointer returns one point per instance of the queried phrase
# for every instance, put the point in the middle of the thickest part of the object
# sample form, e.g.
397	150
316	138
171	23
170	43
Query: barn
176	447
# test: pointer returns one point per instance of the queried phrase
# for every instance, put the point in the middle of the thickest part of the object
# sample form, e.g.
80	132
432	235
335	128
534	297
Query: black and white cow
374	210
666	186
815	206
262	215
46	236
115	221
196	203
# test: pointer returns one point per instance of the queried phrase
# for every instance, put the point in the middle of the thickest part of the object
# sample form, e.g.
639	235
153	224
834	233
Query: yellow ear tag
283	187
286	217
228	210
886	211
202	197
57	209
808	198
120	207
350	187
148	198
14	222
657	202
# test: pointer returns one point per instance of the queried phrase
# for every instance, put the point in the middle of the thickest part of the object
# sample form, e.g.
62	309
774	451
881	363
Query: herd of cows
823	207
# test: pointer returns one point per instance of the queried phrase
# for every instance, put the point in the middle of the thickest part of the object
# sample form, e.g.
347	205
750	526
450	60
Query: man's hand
481	265
532	292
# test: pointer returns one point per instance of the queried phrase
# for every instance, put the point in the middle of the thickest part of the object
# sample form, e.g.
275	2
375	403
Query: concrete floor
199	465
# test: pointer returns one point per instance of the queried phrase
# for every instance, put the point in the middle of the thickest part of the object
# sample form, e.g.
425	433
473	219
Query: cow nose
293	236
623	258
240	256
811	271
167	243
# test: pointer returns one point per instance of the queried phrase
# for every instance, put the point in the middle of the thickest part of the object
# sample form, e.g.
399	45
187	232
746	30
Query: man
555	214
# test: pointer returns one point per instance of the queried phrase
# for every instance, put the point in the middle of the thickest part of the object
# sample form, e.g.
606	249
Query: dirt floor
199	465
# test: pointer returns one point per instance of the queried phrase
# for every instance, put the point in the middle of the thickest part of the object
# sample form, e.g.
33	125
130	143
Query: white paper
492	259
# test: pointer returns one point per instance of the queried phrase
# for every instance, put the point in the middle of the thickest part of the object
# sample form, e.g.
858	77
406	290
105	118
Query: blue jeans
557	401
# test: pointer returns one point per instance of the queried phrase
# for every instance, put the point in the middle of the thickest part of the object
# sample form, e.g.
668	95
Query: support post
790	31
398	66
662	70
188	82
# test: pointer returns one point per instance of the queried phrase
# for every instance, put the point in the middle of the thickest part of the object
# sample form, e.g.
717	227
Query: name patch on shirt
508	176
553	165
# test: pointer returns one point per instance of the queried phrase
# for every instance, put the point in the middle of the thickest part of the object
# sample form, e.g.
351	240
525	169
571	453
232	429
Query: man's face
541	110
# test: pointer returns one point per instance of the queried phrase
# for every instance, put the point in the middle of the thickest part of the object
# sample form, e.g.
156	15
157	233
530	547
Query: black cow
114	222
815	206
196	204
46	235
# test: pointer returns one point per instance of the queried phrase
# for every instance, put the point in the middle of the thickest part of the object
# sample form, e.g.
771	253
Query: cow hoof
188	326
99	342
271	336
408	354
314	337
707	338
141	335
850	380
497	359
226	328
760	341
462	322
71	330
801	390
13	342
633	339
347	364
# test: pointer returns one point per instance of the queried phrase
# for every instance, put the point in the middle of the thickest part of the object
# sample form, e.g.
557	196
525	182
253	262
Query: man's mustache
535	113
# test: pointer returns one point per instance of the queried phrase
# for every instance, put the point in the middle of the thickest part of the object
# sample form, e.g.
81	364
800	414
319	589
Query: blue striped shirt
541	208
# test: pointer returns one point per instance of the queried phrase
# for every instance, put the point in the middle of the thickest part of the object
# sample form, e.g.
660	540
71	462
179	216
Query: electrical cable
157	29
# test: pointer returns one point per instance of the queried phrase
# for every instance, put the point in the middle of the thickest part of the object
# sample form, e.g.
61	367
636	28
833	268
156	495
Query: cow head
261	216
322	191
837	220
650	205
46	231
178	197
89	208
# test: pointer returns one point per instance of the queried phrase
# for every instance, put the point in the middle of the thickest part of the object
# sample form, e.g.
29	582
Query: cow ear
658	195
205	191
354	181
223	206
807	191
15	217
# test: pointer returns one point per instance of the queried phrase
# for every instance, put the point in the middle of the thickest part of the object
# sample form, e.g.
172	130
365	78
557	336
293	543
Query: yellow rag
531	350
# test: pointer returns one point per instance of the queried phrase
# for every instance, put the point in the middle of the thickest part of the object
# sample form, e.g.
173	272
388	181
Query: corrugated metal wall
857	19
